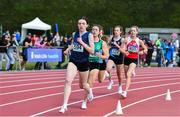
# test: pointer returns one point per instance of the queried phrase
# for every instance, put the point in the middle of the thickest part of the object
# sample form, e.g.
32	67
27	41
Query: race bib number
92	55
133	48
77	47
115	52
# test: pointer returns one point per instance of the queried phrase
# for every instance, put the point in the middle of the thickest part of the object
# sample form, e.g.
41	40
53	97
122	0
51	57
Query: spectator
158	43
169	55
142	57
150	45
46	44
11	49
159	52
56	41
26	44
18	36
42	44
33	39
3	51
50	37
176	43
65	45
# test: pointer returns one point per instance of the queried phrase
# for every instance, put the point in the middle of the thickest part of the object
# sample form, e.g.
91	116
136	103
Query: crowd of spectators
165	52
12	48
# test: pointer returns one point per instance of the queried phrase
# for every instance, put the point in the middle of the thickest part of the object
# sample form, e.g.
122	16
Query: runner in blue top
82	46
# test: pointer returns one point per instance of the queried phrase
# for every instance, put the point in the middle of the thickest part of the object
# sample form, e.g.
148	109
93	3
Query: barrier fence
154	57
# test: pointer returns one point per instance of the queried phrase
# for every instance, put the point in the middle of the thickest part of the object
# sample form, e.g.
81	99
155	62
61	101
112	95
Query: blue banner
44	55
57	28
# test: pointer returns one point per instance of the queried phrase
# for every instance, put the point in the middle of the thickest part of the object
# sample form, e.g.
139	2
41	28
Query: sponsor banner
44	55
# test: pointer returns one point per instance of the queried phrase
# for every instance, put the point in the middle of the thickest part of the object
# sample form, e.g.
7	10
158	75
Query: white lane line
140	101
57	81
61	72
29	73
44	96
58	86
36	89
52	77
29	77
41	77
27	84
148	87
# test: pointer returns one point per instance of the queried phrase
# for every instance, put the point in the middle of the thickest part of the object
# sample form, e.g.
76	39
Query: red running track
41	94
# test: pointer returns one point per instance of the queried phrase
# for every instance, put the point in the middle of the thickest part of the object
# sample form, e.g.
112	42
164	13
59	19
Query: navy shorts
116	61
82	67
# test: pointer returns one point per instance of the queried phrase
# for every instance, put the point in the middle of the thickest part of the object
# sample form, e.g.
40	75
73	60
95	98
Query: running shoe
63	109
120	89
110	85
124	94
133	73
84	105
90	96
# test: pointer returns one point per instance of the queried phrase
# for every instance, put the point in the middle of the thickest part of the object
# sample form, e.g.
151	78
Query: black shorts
128	61
24	54
116	61
102	66
24	57
82	67
94	65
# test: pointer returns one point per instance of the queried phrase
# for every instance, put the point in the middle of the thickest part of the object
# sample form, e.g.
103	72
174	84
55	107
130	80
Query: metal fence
157	59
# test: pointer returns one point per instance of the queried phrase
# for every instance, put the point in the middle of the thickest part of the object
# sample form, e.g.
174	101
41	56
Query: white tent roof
35	24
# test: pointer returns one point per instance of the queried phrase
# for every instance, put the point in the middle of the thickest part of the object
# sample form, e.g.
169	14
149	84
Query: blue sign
57	28
44	55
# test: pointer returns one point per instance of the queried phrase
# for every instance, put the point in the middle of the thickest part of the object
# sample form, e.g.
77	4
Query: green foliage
144	13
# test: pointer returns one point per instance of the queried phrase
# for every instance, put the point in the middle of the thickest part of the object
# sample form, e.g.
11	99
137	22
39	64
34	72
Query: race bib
77	47
92	55
132	48
115	52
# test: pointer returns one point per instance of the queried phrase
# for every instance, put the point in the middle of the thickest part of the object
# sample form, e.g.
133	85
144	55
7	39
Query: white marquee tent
35	24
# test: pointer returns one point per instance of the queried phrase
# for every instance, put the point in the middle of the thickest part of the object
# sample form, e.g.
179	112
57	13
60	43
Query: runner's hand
80	40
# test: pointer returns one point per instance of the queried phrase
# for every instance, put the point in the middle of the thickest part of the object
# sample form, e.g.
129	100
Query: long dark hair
84	18
120	27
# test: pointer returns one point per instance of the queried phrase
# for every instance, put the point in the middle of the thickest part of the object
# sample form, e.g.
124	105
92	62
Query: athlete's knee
129	74
85	85
108	69
89	81
80	86
91	85
100	80
68	82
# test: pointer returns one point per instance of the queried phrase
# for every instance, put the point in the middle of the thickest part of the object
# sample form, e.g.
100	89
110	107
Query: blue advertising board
44	55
